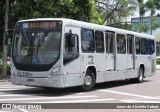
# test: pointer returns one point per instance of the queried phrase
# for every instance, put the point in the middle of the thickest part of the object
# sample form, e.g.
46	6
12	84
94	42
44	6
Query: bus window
144	45
137	43
121	44
99	41
130	41
106	35
151	46
87	37
111	44
71	50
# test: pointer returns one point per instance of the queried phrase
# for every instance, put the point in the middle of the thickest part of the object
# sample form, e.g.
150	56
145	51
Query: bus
60	53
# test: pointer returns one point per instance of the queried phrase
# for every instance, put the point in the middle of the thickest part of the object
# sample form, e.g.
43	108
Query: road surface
118	92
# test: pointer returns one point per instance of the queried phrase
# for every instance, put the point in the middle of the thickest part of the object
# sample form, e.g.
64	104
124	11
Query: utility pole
4	62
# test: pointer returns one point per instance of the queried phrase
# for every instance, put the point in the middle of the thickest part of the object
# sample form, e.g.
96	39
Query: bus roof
93	26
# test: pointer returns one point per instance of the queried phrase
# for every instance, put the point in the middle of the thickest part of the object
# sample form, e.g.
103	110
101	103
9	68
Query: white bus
62	53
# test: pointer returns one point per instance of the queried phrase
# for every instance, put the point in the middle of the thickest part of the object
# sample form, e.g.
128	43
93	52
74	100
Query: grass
158	61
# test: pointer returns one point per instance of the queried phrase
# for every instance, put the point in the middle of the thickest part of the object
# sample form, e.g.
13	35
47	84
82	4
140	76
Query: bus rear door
110	56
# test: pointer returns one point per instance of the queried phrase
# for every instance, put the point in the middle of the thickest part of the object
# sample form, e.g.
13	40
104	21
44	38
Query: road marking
39	98
11	95
139	101
6	111
6	89
80	93
12	86
129	94
23	110
76	101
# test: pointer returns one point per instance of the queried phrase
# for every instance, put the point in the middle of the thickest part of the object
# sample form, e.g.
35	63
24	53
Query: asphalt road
111	92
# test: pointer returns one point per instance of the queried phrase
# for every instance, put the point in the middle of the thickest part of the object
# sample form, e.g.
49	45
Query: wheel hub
88	80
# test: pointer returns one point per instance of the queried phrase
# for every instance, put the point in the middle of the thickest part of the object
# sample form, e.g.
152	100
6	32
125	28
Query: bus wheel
89	81
140	75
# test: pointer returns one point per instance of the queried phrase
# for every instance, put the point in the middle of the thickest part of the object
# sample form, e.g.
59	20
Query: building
146	23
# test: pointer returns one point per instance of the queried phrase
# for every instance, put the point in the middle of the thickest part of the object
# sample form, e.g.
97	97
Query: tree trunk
4	62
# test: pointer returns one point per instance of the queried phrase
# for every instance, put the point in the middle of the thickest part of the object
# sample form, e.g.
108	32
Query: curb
5	80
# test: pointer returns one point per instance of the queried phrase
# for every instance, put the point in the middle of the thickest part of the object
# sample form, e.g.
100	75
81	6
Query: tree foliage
152	5
2	12
114	11
145	26
74	9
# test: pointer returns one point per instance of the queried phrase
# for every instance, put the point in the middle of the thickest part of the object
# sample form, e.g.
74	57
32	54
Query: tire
89	81
139	79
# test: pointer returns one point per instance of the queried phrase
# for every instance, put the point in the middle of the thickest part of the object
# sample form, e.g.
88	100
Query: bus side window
106	37
71	48
121	44
144	45
129	45
87	37
151	47
111	37
137	43
99	41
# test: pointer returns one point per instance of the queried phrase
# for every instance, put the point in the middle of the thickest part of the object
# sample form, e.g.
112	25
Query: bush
158	61
8	69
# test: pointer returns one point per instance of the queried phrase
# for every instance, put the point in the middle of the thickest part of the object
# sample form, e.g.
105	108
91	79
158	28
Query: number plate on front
24	74
31	81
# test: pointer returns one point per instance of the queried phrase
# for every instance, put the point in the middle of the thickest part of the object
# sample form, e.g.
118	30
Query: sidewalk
8	79
157	67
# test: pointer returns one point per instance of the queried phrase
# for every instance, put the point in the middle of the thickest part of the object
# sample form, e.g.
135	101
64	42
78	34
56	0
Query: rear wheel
89	81
140	77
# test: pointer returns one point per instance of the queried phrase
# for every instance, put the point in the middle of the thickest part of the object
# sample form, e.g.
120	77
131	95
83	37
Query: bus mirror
69	38
8	36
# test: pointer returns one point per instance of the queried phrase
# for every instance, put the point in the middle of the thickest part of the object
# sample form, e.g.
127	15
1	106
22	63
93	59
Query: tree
74	9
152	5
114	11
142	11
4	64
2	12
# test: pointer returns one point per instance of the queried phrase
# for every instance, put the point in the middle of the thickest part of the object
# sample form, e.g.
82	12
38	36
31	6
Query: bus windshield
36	47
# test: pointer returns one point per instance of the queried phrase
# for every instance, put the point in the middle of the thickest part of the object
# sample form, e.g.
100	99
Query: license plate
31	81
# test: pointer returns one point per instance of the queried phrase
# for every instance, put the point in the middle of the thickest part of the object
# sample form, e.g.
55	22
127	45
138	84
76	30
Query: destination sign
39	25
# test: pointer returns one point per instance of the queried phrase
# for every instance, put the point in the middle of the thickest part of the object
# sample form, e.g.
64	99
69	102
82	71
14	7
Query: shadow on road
36	91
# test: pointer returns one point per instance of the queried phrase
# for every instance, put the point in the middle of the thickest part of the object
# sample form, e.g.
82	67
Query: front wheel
89	81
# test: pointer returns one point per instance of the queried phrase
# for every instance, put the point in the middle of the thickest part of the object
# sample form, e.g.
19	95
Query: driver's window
71	44
71	47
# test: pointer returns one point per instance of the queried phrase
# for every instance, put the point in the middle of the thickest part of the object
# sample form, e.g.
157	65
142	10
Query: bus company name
24	74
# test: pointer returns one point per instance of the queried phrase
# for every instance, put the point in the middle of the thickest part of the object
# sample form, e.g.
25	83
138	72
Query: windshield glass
32	47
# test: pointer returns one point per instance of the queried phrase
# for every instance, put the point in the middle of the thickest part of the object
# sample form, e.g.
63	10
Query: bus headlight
56	71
